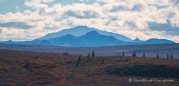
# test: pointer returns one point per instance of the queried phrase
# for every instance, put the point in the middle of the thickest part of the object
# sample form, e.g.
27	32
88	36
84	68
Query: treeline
134	54
157	56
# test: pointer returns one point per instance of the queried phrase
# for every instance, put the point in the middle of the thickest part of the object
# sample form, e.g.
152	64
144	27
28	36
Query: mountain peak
158	41
136	40
81	27
82	30
92	33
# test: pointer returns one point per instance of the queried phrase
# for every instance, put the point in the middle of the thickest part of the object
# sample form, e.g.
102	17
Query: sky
22	20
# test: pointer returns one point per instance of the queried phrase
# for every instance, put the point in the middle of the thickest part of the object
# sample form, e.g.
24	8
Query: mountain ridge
82	30
91	39
94	39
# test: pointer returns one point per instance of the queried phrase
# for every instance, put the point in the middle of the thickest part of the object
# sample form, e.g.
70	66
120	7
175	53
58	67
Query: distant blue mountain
95	39
90	39
152	41
137	40
157	41
83	36
82	30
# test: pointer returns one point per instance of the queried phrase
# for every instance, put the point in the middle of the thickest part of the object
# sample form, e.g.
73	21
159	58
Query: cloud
82	10
176	39
82	14
166	27
2	0
118	8
51	28
17	8
0	30
84	0
175	2
47	1
136	7
20	25
142	19
162	27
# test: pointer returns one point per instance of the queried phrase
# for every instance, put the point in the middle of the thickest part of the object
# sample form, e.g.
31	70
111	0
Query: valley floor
150	50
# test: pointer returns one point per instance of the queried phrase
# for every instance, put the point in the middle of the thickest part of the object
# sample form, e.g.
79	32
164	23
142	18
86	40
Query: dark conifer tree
144	55
93	54
171	56
123	54
88	56
78	61
157	55
167	56
134	54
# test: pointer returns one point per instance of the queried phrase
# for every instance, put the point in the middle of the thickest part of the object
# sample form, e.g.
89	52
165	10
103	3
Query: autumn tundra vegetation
21	68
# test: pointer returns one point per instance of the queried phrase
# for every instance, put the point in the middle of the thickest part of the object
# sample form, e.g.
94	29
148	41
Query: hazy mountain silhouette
82	30
137	40
95	39
83	36
157	41
91	39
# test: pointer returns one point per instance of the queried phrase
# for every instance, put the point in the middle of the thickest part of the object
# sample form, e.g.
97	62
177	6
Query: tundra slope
36	69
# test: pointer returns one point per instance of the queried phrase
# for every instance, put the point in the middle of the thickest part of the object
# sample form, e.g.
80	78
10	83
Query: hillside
51	69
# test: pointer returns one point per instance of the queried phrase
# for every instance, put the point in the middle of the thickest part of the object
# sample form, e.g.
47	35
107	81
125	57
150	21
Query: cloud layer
20	25
142	19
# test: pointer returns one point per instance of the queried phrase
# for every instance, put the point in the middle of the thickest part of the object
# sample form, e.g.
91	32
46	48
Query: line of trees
169	57
66	53
123	54
135	55
92	55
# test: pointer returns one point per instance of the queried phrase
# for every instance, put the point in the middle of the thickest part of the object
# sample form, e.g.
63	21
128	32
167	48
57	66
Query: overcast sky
29	19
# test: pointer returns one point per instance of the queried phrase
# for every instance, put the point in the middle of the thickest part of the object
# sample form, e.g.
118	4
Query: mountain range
83	36
82	30
90	39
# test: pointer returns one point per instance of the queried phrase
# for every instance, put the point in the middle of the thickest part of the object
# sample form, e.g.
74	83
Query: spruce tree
93	54
78	61
144	55
171	56
119	54
102	61
167	56
157	55
88	56
123	54
134	54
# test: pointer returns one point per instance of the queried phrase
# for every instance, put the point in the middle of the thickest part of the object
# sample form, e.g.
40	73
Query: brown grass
19	68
